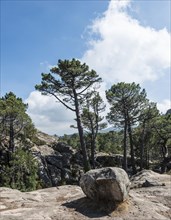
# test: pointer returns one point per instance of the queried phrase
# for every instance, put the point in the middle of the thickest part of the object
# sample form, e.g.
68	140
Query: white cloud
121	49
164	106
48	115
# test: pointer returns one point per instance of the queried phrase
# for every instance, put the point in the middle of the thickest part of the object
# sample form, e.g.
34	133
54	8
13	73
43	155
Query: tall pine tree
68	83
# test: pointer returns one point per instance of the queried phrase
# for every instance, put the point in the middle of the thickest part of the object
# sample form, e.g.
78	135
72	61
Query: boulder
146	178
69	202
107	184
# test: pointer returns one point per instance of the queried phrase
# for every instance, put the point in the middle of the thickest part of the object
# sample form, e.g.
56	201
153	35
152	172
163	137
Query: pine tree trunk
11	137
93	146
81	135
82	142
125	165
164	150
142	148
132	148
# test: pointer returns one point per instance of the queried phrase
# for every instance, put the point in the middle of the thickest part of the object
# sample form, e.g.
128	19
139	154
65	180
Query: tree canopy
18	168
14	121
127	102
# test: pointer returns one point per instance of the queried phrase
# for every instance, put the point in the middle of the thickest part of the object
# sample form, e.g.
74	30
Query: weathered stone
48	139
55	175
146	178
43	170
147	183
110	183
63	148
69	202
54	160
66	160
66	175
43	149
77	158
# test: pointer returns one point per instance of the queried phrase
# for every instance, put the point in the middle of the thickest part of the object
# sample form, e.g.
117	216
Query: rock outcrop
108	184
146	178
69	202
58	164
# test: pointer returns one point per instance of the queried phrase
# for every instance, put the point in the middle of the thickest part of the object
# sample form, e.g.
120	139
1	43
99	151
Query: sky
122	40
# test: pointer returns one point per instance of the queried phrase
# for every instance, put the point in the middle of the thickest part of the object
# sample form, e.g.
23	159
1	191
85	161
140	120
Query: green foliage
110	142
162	129
126	100
94	106
21	172
71	140
127	103
92	121
143	135
67	82
162	126
14	121
17	165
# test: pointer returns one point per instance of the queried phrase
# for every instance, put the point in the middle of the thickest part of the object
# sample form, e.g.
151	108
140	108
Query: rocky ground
69	202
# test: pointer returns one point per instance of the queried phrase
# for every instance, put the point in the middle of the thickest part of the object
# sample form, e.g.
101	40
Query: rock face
58	164
109	183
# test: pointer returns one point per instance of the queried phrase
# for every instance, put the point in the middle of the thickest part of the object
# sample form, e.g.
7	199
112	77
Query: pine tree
92	121
18	168
68	83
127	102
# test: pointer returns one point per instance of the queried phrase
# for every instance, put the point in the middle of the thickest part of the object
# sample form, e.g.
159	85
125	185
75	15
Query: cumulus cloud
121	49
164	106
48	115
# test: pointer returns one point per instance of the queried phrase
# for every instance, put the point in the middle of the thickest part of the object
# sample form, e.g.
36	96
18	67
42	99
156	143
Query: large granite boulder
107	184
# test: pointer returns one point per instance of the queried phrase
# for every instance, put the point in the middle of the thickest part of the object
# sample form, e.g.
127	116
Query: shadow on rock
93	209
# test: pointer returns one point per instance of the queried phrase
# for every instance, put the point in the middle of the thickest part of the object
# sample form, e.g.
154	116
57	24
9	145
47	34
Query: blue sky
122	40
33	32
